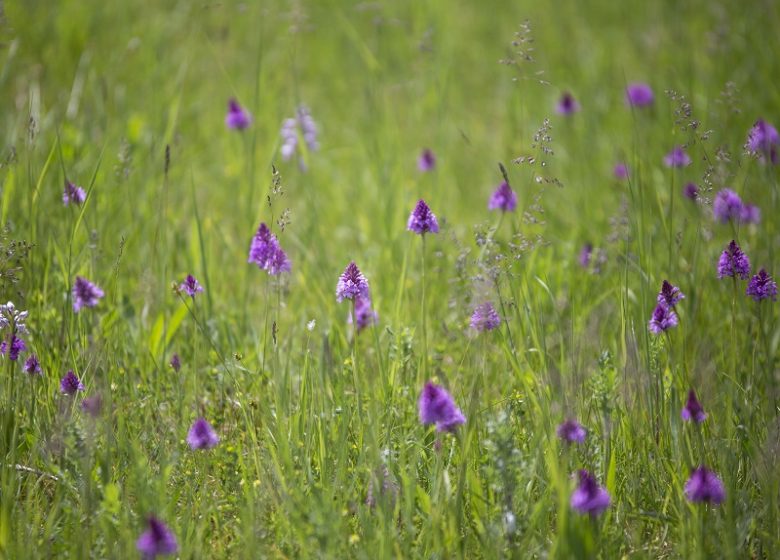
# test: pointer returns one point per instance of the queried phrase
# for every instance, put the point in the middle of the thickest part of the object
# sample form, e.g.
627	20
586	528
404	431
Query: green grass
310	419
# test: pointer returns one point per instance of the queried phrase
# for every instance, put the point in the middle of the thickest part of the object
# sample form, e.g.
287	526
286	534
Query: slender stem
734	328
424	318
265	324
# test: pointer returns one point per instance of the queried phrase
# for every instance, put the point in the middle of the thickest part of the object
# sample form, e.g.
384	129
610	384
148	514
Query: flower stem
424	320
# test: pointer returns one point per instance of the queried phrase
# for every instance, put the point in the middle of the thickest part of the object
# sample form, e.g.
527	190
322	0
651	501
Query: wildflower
436	406
202	435
567	105
85	294
92	405
669	295
639	95
237	117
589	497
677	158
663	319
571	431
704	486
763	140
693	409
10	316
503	198
727	205
585	255
302	123
691	191
190	286
750	214
733	262
158	539
620	171
73	194
351	284
365	315
278	261
422	220
32	366
426	161
266	252
70	384
485	317
762	286
17	346
175	362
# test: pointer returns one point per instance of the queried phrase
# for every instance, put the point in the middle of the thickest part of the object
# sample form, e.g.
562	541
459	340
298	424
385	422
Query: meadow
567	350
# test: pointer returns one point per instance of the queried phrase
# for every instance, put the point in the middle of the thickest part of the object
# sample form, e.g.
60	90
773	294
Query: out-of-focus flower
202	435
426	161
567	105
704	486
436	406
639	95
589	497
237	117
503	198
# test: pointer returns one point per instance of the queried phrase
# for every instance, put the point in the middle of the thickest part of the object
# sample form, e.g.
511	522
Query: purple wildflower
620	171
351	284
503	198
302	124
10	316
237	117
266	252
750	214
426	161
190	286
691	191
485	317
704	486
571	431
727	206
733	262
669	295
567	105
366	316
763	140
585	255
278	261
436	406
762	286
175	362
589	497
693	409
202	435
422	220
73	194
85	294
639	95
70	384
157	540
92	405
17	347
663	319
32	366
677	158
